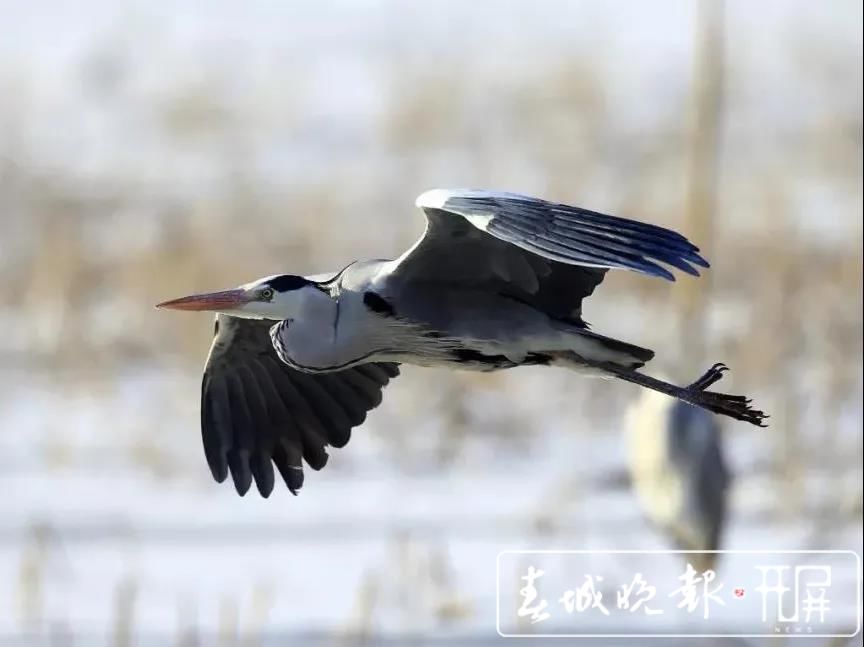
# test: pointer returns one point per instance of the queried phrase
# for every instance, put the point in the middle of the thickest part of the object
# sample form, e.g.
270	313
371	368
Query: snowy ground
97	545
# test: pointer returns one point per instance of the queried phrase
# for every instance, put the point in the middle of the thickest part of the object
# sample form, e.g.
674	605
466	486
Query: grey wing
257	411
550	255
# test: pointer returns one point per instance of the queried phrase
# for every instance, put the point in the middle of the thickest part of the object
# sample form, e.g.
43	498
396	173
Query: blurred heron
496	281
679	472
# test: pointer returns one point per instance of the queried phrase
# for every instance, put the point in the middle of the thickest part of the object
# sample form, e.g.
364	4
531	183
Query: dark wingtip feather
696	258
655	270
213	452
687	268
241	474
242	487
262	470
219	470
315	454
291	474
685	262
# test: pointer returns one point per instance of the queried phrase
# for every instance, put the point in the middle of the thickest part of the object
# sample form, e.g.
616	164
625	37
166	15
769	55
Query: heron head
274	297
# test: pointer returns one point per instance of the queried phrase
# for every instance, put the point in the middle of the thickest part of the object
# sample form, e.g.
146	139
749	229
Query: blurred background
149	151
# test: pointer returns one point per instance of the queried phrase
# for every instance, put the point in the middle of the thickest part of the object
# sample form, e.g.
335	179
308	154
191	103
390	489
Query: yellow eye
267	294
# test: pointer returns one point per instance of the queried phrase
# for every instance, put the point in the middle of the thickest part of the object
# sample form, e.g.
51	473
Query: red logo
739	593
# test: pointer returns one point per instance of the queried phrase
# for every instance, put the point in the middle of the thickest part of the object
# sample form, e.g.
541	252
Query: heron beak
212	301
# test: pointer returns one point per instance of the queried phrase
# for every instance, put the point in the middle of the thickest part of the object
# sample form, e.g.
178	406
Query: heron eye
267	294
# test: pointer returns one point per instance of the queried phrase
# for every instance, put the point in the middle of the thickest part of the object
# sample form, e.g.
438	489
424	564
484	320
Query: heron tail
587	353
639	353
593	347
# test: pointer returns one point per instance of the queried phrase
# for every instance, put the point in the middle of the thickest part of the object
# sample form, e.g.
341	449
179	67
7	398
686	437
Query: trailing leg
734	406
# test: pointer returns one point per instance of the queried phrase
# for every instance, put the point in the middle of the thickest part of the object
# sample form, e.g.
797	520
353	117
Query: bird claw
734	406
712	375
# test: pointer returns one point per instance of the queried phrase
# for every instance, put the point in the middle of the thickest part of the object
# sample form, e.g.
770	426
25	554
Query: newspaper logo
662	593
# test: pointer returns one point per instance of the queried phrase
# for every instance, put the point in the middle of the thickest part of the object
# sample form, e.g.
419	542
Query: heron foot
734	406
712	375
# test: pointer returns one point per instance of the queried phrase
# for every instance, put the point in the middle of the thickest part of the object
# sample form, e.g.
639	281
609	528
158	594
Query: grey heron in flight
496	281
679	472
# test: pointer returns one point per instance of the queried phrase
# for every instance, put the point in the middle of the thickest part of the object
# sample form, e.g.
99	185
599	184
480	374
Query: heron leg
734	406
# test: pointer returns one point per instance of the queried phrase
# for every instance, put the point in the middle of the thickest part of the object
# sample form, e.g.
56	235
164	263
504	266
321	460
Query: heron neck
309	340
317	315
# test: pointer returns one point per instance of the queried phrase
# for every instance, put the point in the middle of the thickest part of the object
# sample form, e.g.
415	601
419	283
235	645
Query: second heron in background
679	472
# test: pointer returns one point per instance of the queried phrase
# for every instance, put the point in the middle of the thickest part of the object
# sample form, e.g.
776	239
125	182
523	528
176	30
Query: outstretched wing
547	254
257	411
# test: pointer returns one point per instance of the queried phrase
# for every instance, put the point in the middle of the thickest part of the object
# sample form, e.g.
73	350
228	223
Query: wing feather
257	411
570	234
547	255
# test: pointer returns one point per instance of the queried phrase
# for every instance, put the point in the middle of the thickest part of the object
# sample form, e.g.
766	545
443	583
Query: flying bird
496	281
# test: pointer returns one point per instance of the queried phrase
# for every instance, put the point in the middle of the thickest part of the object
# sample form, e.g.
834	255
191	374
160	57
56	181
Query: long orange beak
213	301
